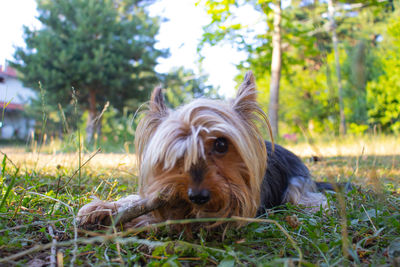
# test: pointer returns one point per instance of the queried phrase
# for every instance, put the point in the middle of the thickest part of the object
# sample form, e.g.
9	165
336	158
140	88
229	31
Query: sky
180	33
14	14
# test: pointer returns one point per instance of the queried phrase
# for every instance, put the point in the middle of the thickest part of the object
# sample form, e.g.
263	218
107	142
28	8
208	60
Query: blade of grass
80	167
10	186
75	103
64	119
3	170
4	110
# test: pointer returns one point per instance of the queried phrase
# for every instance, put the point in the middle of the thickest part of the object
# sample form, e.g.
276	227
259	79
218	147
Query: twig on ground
32	224
369	218
53	251
136	209
84	240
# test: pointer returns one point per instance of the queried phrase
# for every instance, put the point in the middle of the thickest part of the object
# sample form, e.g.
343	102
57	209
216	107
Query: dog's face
207	157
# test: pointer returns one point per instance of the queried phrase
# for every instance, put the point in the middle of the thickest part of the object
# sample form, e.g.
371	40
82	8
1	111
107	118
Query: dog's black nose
199	196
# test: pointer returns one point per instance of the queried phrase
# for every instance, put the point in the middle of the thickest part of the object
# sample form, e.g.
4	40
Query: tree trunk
275	69
331	14
90	127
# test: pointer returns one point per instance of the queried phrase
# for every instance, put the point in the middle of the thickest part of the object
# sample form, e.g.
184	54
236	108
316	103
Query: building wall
13	90
16	125
14	122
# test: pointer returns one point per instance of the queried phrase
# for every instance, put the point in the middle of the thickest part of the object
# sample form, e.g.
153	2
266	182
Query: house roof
11	106
9	71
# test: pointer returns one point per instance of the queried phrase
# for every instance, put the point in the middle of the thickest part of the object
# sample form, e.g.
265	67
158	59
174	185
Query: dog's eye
221	145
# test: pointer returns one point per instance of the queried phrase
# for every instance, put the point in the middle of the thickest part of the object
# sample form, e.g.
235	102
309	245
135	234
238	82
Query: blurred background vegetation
93	66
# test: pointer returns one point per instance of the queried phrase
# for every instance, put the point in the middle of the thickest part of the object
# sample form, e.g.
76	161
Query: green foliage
383	94
308	91
118	131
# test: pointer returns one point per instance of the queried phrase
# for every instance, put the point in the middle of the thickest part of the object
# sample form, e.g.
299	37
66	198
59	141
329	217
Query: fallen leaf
293	220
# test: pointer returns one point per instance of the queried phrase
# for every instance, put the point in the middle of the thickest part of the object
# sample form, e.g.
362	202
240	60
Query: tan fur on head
170	142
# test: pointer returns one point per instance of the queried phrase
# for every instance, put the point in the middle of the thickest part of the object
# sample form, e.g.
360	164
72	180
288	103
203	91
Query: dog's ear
157	102
152	119
246	97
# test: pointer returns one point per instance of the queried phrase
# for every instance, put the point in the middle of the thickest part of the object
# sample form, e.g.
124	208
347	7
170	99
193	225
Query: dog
209	160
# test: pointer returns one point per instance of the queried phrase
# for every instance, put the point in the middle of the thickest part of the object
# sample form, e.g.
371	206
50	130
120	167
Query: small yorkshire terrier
209	160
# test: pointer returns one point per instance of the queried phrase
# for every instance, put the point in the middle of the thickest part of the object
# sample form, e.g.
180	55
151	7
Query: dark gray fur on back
282	165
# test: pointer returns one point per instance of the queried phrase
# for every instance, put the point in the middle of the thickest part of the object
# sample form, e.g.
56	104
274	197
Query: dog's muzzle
199	196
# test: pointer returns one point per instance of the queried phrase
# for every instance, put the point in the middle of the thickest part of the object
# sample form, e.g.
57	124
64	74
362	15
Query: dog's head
207	158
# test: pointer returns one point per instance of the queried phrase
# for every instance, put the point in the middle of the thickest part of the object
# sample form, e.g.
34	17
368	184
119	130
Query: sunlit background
180	33
336	66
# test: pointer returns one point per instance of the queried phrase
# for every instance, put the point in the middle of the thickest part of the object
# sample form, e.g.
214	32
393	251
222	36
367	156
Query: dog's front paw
95	213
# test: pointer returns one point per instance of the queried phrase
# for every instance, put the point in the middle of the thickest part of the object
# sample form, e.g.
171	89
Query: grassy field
41	193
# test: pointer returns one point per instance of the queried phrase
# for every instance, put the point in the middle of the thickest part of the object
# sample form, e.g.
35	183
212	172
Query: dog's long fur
177	153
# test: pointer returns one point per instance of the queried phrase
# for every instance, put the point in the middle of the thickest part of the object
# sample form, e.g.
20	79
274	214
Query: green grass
38	202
